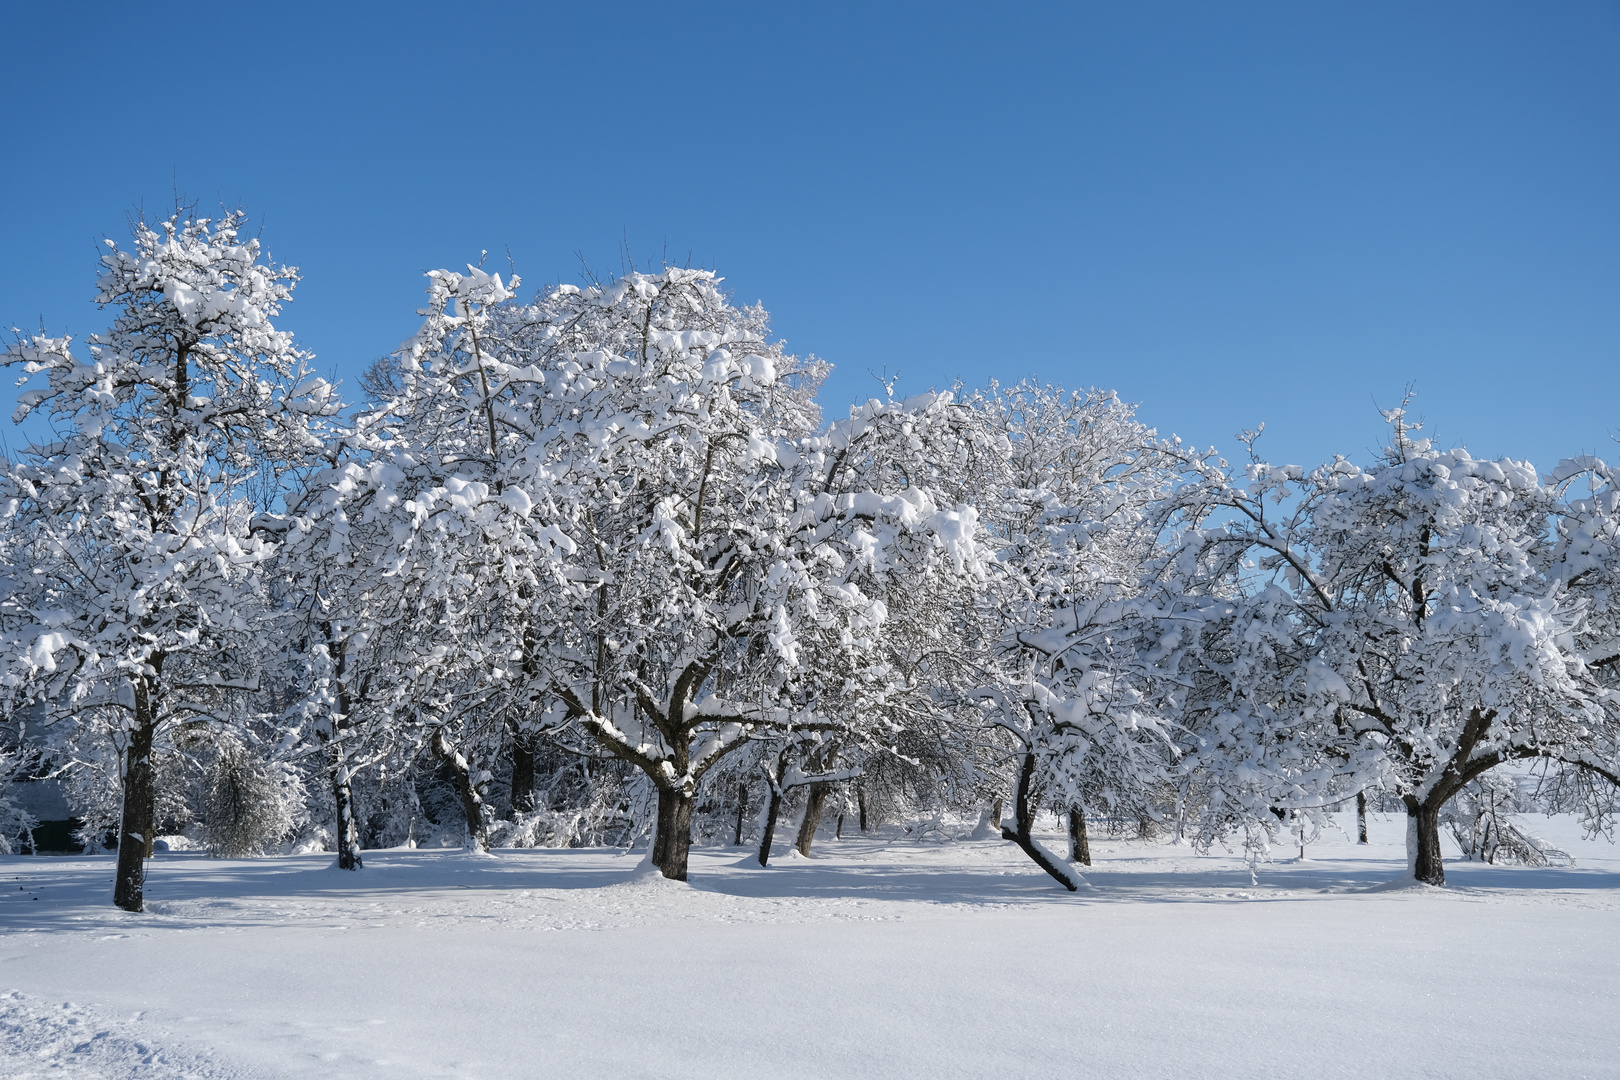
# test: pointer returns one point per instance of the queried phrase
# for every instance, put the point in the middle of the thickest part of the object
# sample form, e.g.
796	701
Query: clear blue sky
1227	212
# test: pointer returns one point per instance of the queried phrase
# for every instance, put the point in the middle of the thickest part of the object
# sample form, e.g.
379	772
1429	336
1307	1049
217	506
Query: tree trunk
1423	840
348	825
742	808
860	804
522	775
673	841
813	807
1024	819
773	807
472	804
1079	843
1361	817
140	809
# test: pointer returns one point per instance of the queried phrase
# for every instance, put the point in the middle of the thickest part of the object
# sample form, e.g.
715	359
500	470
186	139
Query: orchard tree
728	550
134	592
1411	626
1073	678
423	548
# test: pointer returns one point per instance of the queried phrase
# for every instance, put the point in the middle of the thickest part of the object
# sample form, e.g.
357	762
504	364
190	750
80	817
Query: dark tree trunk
814	805
140	808
348	823
472	804
1025	821
347	820
1423	840
838	833
673	841
1361	817
742	808
1079	843
522	775
860	805
773	808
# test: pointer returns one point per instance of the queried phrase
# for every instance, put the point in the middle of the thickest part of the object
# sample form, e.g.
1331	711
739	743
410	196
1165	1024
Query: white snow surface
882	956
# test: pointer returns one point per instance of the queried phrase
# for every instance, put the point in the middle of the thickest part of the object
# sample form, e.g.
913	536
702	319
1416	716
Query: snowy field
878	958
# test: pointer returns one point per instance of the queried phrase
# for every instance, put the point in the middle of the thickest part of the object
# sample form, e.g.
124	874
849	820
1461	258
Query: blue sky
1229	213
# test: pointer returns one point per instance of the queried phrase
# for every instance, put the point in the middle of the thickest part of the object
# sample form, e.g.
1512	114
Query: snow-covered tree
134	584
1410	625
727	549
1073	667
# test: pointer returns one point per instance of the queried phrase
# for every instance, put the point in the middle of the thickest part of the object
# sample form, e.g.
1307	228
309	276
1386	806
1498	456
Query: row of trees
594	560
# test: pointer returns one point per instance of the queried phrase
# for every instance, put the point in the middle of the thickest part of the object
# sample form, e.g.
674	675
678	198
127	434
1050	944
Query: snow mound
65	1041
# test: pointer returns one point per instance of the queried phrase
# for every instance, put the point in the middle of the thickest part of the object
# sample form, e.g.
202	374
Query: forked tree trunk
1423	840
1079	843
140	808
1022	834
672	842
1361	817
814	805
472	803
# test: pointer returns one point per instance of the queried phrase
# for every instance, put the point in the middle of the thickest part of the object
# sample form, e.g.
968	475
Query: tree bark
348	824
860	804
742	808
140	808
814	805
1423	840
1079	842
773	807
522	775
673	841
1361	817
472	803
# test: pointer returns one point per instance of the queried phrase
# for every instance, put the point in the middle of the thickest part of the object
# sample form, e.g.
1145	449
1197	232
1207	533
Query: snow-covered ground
879	958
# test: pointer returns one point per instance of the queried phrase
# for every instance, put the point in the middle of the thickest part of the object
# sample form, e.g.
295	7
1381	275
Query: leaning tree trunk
767	835
1079	843
672	843
140	808
1022	835
1361	817
472	803
814	805
773	805
1423	839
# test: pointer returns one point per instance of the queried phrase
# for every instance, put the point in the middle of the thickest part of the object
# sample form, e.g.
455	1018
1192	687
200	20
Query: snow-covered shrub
249	805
